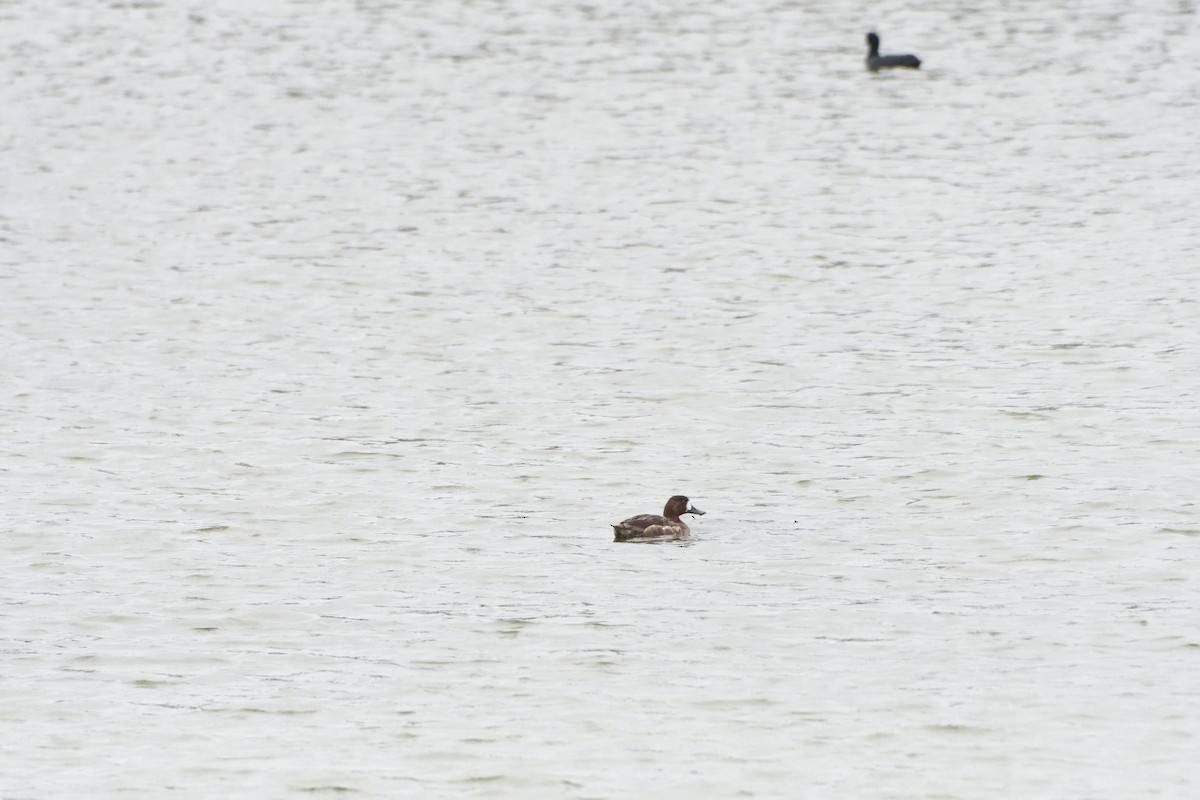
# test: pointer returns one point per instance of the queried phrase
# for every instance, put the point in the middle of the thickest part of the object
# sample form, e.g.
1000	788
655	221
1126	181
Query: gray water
336	335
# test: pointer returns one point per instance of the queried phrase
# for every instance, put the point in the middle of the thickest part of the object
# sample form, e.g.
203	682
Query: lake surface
336	336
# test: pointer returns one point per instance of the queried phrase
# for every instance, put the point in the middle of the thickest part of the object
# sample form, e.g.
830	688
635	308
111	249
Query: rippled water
336	336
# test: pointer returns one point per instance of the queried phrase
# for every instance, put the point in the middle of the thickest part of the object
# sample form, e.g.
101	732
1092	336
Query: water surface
337	335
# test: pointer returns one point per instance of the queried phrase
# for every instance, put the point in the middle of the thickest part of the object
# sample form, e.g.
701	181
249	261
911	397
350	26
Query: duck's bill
694	510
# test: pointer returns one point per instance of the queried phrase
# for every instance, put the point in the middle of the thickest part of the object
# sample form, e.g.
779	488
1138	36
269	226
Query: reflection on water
338	336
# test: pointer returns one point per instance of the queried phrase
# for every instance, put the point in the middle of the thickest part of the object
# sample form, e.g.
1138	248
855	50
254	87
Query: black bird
877	62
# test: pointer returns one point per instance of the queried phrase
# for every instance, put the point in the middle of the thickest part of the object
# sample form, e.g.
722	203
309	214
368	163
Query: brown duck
646	526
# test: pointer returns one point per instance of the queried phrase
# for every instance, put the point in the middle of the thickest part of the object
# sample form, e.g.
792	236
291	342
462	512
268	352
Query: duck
645	526
876	62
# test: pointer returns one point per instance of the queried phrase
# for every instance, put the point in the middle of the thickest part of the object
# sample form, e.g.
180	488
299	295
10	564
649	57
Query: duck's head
680	505
873	41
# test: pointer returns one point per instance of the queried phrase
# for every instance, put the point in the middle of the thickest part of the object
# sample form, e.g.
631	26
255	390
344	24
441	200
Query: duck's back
887	62
642	521
648	525
639	525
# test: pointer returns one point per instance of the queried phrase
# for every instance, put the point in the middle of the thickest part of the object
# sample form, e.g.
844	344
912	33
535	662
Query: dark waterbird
647	526
877	62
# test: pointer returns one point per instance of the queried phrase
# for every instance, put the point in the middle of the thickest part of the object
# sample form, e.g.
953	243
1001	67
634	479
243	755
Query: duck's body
647	526
876	62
